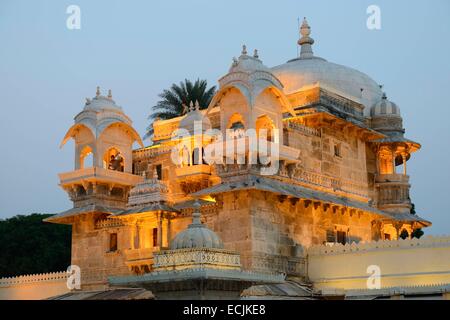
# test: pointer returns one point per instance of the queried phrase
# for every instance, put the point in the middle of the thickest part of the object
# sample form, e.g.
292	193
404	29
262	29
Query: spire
97	93
191	106
196	214
109	94
244	49
197	106
255	54
305	41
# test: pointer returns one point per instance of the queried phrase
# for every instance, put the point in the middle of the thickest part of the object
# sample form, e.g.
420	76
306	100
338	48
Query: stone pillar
404	163
393	161
159	229
168	232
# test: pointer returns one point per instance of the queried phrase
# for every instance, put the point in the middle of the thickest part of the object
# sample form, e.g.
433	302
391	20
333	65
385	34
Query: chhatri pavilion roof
309	69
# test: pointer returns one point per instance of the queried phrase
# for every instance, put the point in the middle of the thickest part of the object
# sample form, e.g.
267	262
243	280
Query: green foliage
28	245
173	99
413	209
417	233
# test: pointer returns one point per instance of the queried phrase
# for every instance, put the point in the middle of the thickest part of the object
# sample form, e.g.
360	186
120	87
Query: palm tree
174	100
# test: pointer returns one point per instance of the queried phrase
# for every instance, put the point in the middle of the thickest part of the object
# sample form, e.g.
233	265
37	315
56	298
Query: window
387	236
341	237
337	150
155	237
112	242
331	237
159	171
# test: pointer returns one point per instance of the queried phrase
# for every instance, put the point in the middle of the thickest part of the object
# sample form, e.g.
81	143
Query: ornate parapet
34	286
109	223
337	248
34	278
196	258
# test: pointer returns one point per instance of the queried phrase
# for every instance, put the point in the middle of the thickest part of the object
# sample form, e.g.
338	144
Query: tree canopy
28	245
174	100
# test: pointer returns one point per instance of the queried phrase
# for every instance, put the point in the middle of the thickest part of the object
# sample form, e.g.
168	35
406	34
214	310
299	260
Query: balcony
392	178
94	174
200	169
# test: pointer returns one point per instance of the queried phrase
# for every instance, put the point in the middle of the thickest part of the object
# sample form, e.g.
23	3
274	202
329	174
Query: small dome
197	235
100	102
247	63
192	117
308	69
384	107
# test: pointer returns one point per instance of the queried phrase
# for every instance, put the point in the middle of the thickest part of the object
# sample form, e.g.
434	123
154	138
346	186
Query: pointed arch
127	128
74	130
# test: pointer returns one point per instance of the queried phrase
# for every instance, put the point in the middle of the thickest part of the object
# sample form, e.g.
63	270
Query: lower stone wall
34	287
402	263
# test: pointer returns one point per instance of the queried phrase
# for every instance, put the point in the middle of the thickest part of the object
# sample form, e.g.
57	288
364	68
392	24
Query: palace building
338	204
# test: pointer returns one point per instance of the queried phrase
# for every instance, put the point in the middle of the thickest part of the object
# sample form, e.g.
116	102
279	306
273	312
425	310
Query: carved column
404	163
168	232
160	229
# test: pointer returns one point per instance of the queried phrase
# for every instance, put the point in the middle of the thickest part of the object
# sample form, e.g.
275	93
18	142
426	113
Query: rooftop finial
255	54
191	106
155	173
110	94
244	49
196	214
97	93
197	106
305	41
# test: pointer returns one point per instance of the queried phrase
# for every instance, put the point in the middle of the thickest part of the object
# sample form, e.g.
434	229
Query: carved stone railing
149	152
277	263
335	184
196	257
108	223
33	278
337	248
303	129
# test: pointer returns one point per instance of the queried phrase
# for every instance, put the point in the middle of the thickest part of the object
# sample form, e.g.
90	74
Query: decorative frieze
195	258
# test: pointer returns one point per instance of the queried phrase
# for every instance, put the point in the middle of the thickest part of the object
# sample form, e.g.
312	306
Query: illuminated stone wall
33	287
402	263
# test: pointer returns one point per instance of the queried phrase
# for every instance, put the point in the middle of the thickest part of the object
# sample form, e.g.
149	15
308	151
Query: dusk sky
139	48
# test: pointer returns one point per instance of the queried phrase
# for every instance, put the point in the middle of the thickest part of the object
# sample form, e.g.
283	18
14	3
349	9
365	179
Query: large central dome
308	70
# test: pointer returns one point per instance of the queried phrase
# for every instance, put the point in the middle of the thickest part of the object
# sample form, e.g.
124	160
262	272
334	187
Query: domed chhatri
100	102
197	235
386	118
384	107
308	69
246	63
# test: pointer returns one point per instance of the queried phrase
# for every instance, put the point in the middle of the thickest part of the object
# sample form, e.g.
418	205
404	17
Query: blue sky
138	48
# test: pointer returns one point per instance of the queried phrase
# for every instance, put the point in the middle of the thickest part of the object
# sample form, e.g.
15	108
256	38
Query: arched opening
113	160
236	123
264	127
198	156
86	157
185	155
